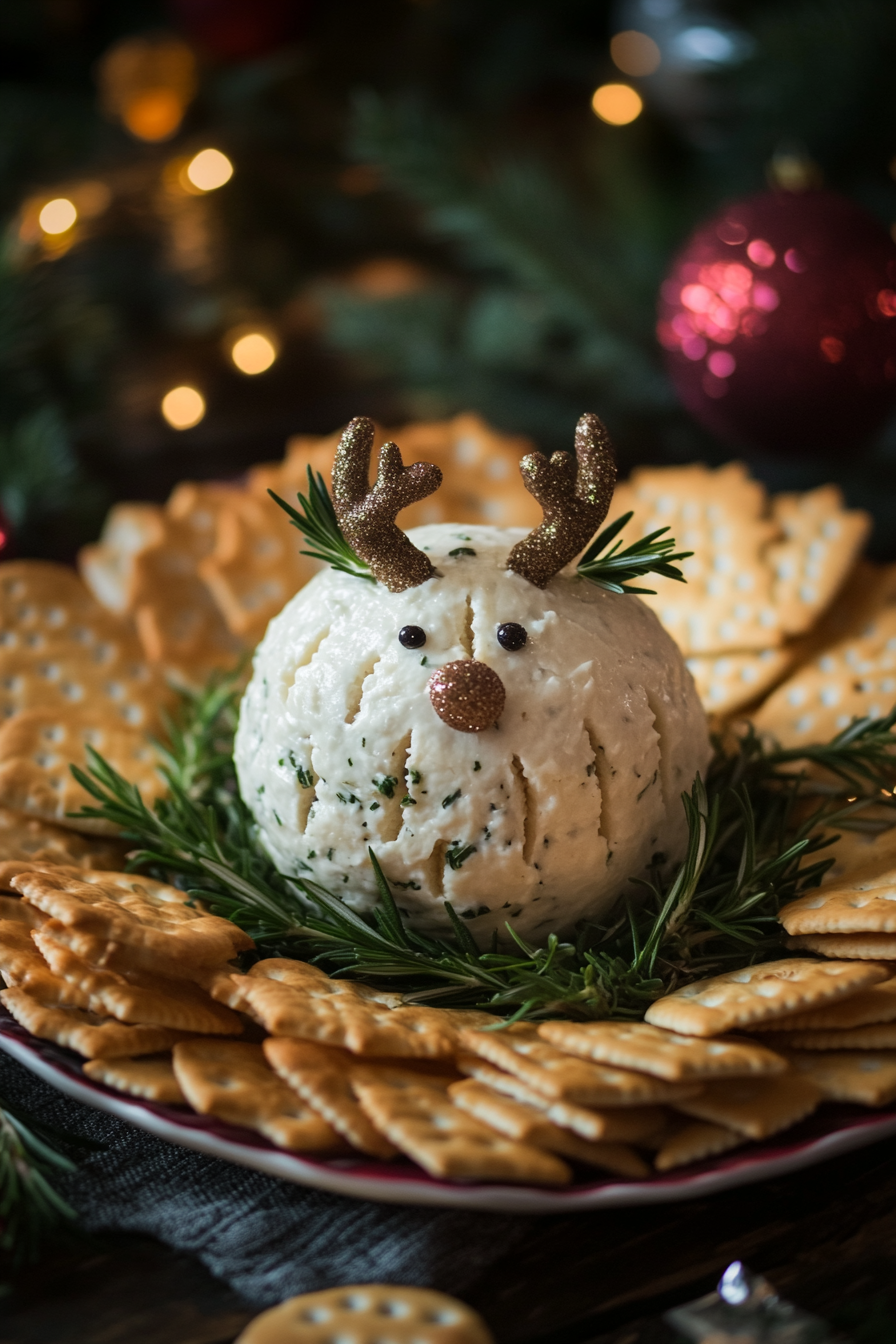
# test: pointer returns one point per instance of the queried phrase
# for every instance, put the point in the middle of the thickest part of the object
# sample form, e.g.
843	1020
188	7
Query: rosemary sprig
30	1208
316	520
615	570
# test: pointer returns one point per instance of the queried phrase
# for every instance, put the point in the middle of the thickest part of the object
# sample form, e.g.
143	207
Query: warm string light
617	104
57	216
183	407
253	352
635	53
208	170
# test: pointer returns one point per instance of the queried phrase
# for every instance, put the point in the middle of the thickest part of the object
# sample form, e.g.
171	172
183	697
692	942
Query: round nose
467	695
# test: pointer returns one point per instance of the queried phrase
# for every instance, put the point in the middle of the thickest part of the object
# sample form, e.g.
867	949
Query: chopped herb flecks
457	855
452	798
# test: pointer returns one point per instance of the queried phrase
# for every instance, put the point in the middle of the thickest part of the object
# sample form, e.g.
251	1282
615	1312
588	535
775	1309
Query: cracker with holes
665	1054
727	682
870	1006
363	1313
152	1079
866	1077
37	748
867	904
425	1125
25	840
755	1107
89	1034
460	714
233	1081
759	993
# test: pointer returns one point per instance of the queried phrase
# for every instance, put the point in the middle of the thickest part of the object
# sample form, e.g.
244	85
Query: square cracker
867	904
150	918
107	566
425	1125
151	1078
727	681
90	1035
821	542
875	1036
530	1125
25	839
521	1051
848	946
754	1107
694	1142
627	1124
865	1077
872	1005
636	1045
38	746
19	958
759	993
232	1080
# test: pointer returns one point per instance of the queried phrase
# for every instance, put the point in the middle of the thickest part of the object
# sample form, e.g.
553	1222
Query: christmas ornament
234	30
778	319
5	534
512	740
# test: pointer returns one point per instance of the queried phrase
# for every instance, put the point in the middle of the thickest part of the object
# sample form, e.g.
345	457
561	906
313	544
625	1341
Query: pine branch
316	520
616	569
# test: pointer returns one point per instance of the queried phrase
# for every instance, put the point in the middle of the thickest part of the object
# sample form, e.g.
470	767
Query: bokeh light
183	407
154	115
617	104
253	353
209	169
635	53
58	215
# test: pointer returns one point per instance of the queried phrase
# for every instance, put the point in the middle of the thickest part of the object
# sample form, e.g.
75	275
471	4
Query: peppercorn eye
411	637
512	636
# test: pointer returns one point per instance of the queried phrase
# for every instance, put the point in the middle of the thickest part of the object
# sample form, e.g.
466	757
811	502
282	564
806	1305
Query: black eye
412	637
512	636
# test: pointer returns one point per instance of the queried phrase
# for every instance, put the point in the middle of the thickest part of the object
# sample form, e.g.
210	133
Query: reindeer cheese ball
504	734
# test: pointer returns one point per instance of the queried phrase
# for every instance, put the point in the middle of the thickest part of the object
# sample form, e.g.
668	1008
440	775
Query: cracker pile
145	987
763	584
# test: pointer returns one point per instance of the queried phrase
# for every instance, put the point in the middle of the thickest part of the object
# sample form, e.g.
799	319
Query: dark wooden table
826	1238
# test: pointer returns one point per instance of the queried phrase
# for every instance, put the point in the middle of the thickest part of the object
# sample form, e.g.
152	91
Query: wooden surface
826	1238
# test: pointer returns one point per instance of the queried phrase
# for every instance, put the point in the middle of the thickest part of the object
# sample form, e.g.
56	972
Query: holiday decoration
777	318
508	737
148	84
239	29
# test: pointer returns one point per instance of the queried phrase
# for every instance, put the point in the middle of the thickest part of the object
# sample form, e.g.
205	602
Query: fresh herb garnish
30	1208
615	570
316	520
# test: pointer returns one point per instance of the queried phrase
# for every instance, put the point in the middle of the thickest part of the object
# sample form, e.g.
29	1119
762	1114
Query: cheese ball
517	752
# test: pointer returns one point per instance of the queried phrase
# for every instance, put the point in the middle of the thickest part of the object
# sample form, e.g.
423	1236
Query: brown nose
467	695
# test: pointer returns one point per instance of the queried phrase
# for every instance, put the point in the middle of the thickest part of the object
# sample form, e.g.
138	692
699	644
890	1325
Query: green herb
414	776
343	799
30	1208
452	798
386	785
316	520
757	831
373	807
461	550
408	801
456	855
615	570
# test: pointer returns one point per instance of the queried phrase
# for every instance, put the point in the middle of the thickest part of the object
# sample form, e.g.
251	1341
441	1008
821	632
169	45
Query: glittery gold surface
467	695
367	516
574	494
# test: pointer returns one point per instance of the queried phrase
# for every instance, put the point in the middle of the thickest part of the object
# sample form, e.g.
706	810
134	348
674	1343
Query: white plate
830	1132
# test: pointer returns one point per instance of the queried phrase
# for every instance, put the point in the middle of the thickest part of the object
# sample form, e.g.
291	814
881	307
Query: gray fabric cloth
267	1238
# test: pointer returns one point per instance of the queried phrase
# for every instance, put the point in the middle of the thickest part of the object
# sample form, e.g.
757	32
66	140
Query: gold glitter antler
574	494
367	516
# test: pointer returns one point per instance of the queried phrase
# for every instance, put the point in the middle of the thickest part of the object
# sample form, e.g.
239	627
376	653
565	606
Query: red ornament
5	535
778	319
238	30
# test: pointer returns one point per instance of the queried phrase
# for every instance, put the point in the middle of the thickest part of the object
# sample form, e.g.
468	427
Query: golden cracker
521	1051
427	1127
19	958
879	947
88	1034
875	1036
358	1313
307	977
754	1107
151	1079
865	1077
865	905
322	1076
37	748
130	693
821	542
758	993
693	1143
25	839
873	1005
530	1125
726	682
232	1080
639	1046
107	566
14	908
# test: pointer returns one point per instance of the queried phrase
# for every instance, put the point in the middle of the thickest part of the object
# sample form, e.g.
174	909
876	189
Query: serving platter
831	1131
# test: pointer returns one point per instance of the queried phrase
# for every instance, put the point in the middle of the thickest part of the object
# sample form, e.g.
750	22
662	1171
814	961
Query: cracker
758	993
130	693
150	918
848	946
521	1051
726	682
303	975
427	1127
107	566
865	1077
14	908
876	1004
875	1036
138	997
865	905
232	1080
529	1125
24	838
359	1314
19	958
92	1036
152	1079
636	1045
754	1107
323	1078
627	1124
693	1143
821	542
37	748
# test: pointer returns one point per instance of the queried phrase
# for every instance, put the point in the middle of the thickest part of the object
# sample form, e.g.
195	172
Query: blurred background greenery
413	208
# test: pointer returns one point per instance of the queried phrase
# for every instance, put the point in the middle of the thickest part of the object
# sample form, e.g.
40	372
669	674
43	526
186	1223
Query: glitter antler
367	516
574	494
